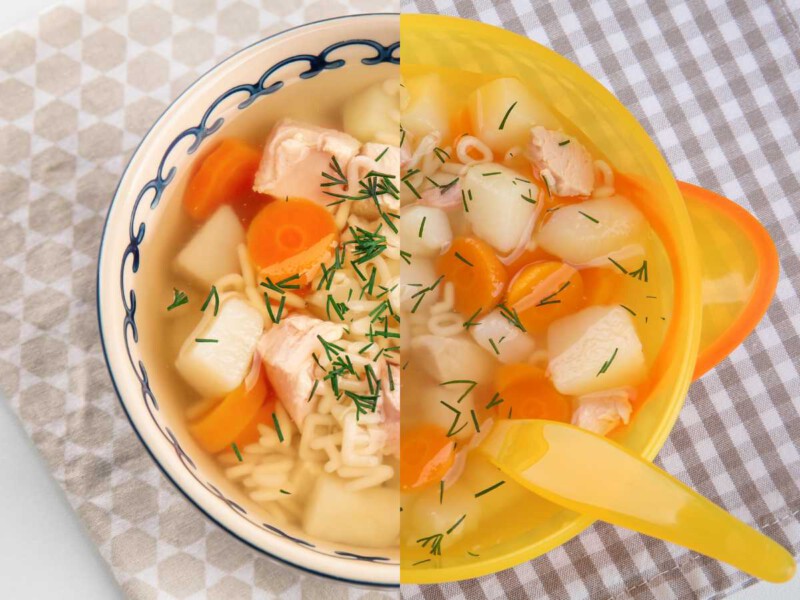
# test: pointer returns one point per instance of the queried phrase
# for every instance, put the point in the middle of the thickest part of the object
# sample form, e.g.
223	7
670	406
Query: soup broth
255	298
533	286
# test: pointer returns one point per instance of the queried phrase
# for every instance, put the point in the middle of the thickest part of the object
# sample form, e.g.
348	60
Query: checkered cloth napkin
79	87
717	85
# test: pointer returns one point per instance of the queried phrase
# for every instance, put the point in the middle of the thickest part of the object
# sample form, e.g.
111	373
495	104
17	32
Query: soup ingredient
303	266
424	231
389	408
544	291
372	115
295	156
219	428
453	357
497	211
441	524
563	161
478	277
423	107
418	284
204	260
528	394
283	230
502	112
288	350
250	434
216	356
374	521
448	407
581	233
375	168
593	350
602	412
224	176
426	453
500	334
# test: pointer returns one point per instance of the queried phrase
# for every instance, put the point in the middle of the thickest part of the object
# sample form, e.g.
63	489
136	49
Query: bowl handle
739	272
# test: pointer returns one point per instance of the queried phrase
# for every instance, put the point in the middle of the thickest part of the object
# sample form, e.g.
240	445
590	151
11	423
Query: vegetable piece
498	213
304	265
454	357
424	231
424	110
497	333
367	518
602	412
283	230
478	277
418	278
543	292
372	116
221	426
563	161
575	238
593	350
251	434
508	103
426	453
214	369
205	259
528	394
224	176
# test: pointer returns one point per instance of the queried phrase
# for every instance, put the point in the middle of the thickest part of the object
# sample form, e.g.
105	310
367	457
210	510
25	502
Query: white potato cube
492	102
496	334
434	226
212	253
373	115
498	213
595	349
577	239
368	518
425	109
214	368
450	358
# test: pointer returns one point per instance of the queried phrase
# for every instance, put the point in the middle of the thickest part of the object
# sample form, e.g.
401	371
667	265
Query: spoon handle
592	475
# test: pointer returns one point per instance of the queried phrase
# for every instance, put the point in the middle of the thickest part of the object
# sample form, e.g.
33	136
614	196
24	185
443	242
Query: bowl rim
690	276
98	300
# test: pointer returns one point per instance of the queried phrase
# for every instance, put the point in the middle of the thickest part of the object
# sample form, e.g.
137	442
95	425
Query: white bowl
325	49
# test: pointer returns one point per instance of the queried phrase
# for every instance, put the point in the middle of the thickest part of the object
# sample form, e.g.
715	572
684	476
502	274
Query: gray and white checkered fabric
717	86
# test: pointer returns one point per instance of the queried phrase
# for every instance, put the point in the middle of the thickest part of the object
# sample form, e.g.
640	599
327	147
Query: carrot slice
528	394
218	428
305	264
477	275
283	230
526	258
600	285
426	453
543	292
224	176
251	434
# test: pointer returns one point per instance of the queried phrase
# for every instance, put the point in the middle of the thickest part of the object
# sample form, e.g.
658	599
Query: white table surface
46	553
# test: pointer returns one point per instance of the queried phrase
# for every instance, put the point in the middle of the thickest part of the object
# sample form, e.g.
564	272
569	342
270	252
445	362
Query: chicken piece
504	340
287	350
445	197
295	156
377	158
389	407
562	161
601	412
450	358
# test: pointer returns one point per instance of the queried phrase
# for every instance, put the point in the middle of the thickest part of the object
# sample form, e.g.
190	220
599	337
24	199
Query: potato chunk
424	231
593	350
218	365
612	224
211	253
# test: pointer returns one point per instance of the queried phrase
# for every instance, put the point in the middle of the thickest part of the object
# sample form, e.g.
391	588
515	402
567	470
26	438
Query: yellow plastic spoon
594	476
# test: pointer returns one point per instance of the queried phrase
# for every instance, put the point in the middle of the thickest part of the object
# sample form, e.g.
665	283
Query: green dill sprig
607	364
213	294
505	116
551	299
510	315
489	489
468	382
180	298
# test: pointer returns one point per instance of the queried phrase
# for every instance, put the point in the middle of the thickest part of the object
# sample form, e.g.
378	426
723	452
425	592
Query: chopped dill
456	524
468	382
435	541
277	427
464	260
206	340
489	489
628	309
564	143
441	491
212	294
421	562
590	217
619	266
491	174
550	299
313	390
640	273
469	322
439	153
495	401
422	226
381	155
406	256
510	315
547	186
475	421
494	346
180	298
275	316
607	364
505	116
236	451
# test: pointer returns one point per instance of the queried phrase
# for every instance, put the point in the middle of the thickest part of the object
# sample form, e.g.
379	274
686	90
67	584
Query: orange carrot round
303	264
218	428
284	229
544	291
477	275
224	176
426	453
250	434
528	394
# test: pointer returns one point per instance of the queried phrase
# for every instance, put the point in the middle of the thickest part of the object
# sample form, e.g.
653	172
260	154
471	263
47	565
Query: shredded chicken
374	158
287	348
562	162
295	156
601	412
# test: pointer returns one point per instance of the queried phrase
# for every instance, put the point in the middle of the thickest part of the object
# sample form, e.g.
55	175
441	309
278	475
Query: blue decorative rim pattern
316	64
